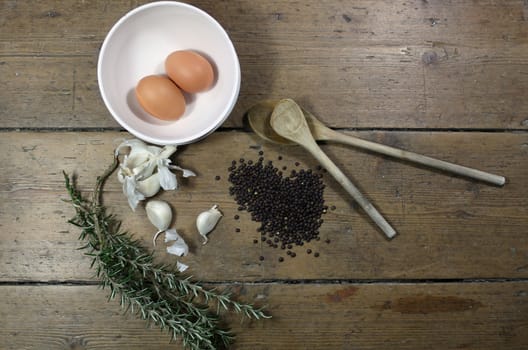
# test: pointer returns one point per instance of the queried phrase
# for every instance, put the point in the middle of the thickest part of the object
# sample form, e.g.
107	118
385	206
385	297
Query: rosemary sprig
155	292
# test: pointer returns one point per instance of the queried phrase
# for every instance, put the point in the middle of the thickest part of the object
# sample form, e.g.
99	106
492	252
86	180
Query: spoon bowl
258	117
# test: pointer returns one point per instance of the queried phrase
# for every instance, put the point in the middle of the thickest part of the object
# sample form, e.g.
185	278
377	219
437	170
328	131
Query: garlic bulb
160	215
142	166
207	220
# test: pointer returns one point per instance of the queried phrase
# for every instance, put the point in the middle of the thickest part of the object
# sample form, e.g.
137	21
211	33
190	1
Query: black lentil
217	177
281	259
261	258
297	163
261	153
279	157
309	251
237	230
293	255
237	217
327	241
255	241
333	207
316	254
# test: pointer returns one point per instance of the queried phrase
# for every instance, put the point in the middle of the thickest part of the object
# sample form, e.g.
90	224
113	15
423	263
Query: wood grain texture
446	79
366	64
340	316
448	227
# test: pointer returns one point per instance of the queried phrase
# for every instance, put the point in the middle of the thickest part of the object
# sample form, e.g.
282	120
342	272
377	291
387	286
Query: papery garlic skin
160	215
179	248
207	220
171	235
185	172
130	190
181	267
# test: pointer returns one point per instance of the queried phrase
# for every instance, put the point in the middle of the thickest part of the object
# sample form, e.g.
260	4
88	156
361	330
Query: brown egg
159	96
189	70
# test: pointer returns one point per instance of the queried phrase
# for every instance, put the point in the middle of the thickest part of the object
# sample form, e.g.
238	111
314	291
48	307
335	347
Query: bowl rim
223	113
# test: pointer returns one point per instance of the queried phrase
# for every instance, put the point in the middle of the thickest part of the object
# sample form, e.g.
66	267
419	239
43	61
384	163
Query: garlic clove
149	186
160	215
179	248
207	220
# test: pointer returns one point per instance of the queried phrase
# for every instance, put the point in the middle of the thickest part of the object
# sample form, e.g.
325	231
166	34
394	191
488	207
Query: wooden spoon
259	120
288	121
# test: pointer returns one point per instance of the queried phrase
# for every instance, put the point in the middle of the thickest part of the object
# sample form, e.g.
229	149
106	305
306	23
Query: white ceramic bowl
137	46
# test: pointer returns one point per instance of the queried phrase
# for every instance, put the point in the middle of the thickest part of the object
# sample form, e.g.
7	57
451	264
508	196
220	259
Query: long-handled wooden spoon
259	120
288	121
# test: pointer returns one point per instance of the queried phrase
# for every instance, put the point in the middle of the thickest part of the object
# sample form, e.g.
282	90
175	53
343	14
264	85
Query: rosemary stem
149	290
96	200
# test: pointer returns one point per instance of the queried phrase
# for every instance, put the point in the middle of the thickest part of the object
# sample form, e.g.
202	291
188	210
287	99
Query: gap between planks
294	281
228	129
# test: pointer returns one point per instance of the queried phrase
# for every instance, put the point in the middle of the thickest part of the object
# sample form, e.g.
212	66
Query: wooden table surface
448	79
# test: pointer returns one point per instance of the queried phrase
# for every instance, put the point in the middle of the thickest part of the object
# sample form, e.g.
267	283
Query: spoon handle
417	158
342	179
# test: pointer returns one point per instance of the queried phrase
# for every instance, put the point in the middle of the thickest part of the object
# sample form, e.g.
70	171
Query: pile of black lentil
288	206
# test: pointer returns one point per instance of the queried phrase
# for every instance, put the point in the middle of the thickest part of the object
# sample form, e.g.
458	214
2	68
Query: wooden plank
329	316
449	227
51	92
372	65
53	27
